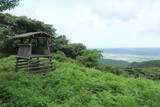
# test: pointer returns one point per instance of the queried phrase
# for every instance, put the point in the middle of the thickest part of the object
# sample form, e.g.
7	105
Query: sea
131	54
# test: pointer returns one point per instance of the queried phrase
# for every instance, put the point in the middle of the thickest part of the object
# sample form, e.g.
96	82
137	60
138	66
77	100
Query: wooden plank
22	64
40	63
25	45
43	56
39	67
42	70
22	61
22	68
46	59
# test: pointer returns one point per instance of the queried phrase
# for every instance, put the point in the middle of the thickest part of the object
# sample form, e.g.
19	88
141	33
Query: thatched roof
32	34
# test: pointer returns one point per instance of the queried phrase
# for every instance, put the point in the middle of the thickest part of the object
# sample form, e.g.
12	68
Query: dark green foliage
60	56
9	46
3	55
146	64
8	4
58	42
150	73
114	62
11	25
90	58
74	86
73	50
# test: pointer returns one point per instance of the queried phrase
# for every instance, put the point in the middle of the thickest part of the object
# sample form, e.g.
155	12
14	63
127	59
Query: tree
73	50
12	25
58	42
8	4
90	58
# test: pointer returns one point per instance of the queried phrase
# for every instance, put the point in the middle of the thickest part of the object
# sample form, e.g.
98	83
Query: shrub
74	86
89	58
60	56
7	64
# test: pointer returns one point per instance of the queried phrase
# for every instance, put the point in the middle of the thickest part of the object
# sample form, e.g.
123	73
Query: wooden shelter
33	53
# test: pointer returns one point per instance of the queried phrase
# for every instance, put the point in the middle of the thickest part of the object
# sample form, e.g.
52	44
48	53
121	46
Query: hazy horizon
126	48
131	54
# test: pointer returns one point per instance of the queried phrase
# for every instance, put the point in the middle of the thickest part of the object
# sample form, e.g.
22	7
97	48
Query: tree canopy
12	25
8	4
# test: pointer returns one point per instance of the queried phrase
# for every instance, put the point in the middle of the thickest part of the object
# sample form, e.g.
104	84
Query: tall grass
74	86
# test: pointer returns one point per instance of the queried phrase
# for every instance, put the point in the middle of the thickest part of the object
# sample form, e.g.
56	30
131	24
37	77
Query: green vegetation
7	64
150	73
114	62
89	58
80	79
8	4
146	64
74	86
11	25
147	69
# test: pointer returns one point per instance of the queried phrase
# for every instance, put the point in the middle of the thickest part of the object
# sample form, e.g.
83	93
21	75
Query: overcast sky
99	23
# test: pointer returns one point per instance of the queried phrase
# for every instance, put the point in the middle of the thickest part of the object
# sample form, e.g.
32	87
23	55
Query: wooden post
29	63
16	65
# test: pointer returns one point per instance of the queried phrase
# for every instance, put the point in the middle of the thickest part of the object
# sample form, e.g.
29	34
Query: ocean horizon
131	54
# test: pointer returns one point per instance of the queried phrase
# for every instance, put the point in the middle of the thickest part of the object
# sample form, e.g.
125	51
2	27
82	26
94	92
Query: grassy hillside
74	86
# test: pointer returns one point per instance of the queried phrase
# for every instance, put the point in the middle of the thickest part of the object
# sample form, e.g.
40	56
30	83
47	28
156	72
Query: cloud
101	23
121	9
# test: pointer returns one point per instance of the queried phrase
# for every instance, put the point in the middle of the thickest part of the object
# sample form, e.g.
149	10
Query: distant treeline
114	62
146	64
